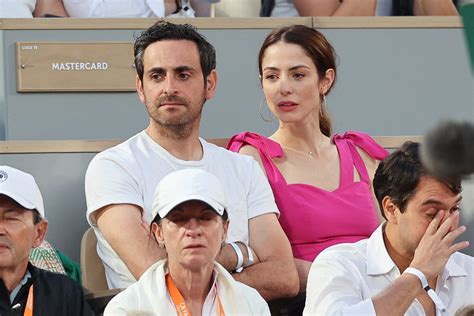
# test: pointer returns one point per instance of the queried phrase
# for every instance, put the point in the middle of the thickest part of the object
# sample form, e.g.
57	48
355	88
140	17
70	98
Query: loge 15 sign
43	67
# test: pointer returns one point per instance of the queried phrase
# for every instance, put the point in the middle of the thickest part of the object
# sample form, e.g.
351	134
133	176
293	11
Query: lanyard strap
29	303
181	307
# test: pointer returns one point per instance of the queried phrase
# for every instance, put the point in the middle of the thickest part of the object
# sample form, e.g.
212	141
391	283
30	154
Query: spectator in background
105	8
412	256
321	182
31	8
127	8
281	8
25	289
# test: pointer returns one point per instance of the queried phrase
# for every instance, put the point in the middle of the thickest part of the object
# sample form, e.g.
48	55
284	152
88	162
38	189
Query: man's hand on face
437	244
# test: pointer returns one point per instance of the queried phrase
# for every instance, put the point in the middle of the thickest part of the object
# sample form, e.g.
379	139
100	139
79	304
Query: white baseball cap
186	185
21	187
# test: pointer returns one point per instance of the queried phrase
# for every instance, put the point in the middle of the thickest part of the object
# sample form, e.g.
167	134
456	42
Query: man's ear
390	210
41	229
211	84
139	86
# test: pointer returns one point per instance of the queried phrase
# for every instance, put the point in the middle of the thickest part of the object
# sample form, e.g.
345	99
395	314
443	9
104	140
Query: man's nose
170	85
2	227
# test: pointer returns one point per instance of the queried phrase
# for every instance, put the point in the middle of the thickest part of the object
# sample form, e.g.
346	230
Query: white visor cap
21	187
186	185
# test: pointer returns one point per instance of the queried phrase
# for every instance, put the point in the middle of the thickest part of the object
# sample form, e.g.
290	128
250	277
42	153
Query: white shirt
123	8
130	172
149	296
114	8
17	8
343	279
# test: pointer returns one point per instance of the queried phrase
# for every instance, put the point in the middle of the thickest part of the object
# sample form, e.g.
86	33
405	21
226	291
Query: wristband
250	256
424	284
240	257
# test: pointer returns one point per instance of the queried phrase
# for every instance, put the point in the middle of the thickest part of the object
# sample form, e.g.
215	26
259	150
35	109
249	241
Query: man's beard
176	127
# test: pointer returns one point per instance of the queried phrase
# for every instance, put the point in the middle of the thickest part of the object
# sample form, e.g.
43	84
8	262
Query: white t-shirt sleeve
333	288
260	199
109	181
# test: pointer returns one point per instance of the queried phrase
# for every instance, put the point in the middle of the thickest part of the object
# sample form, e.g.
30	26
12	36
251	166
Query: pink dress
314	218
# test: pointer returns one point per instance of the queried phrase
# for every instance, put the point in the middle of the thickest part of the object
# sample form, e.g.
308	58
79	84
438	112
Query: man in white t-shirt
175	76
410	265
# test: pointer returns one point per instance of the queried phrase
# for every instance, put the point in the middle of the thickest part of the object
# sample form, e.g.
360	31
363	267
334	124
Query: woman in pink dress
321	182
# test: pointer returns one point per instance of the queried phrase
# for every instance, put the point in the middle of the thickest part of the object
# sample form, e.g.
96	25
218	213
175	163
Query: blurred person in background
282	8
105	8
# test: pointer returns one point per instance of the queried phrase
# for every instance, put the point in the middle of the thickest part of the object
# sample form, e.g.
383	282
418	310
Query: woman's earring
260	111
322	107
161	244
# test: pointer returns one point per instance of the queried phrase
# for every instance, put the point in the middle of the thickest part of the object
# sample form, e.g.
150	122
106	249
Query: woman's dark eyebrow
298	66
292	68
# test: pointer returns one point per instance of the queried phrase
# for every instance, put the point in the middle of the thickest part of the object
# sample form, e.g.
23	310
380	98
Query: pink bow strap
364	141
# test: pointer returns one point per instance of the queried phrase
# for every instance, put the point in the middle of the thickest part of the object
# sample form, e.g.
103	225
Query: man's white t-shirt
130	172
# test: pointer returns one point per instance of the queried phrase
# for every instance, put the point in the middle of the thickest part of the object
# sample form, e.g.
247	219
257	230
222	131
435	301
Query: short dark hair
162	31
36	217
398	175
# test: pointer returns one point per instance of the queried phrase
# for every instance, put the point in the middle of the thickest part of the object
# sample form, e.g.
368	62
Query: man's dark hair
398	175
36	217
162	31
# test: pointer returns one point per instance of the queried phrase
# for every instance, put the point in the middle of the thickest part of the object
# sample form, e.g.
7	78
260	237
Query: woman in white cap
190	223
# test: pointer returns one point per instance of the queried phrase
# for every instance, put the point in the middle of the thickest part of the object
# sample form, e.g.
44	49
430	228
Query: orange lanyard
29	303
178	300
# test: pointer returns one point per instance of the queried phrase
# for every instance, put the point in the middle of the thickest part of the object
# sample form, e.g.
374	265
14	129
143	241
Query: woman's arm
434	7
201	7
335	7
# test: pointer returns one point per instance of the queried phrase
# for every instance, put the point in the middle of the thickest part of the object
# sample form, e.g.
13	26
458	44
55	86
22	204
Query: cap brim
20	200
215	205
